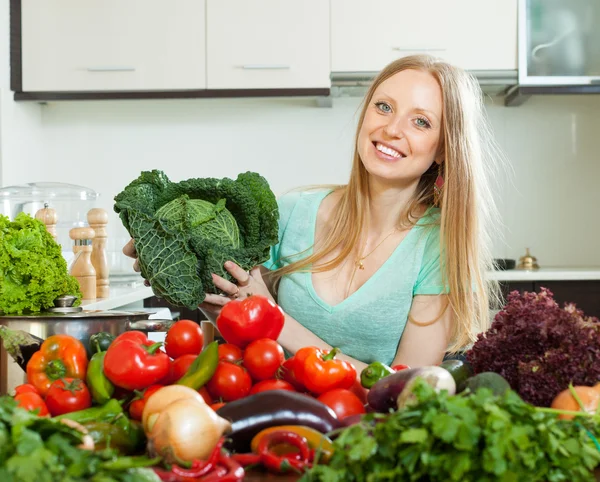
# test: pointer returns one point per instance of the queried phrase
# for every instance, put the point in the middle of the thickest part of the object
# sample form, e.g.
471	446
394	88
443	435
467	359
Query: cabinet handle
110	69
265	67
416	49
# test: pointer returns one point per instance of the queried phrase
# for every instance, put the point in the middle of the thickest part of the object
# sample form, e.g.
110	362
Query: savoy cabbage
185	231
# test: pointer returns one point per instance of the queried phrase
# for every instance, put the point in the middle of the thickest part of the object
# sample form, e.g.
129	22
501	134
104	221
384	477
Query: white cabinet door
267	44
368	34
484	36
473	34
113	45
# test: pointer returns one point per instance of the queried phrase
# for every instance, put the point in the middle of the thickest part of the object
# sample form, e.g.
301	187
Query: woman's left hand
248	283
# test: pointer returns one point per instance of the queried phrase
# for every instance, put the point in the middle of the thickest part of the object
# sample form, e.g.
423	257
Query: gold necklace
359	261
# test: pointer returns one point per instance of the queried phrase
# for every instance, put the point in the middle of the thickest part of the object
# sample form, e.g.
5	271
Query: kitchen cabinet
584	293
264	44
476	35
112	45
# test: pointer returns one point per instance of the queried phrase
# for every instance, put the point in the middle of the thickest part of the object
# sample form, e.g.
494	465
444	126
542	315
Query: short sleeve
286	204
429	280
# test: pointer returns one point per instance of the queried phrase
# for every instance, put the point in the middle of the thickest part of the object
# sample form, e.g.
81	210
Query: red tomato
267	385
136	408
67	395
288	373
343	402
205	395
184	338
216	406
397	368
180	366
262	358
31	401
25	388
229	382
230	353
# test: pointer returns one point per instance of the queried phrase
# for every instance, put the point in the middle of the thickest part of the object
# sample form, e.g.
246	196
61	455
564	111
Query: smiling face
401	131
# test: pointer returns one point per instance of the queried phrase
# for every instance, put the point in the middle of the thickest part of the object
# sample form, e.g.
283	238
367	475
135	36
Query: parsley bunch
38	449
468	437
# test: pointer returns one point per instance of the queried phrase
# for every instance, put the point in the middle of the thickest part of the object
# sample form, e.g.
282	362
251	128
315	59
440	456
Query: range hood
355	84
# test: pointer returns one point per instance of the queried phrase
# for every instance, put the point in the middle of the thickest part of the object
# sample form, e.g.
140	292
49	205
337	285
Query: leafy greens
33	272
471	437
185	231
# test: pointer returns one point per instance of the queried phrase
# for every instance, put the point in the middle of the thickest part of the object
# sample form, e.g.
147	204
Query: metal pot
78	323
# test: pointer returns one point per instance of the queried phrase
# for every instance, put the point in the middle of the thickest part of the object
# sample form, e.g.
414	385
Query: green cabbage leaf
185	231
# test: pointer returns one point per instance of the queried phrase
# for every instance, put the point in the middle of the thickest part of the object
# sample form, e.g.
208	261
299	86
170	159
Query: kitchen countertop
120	295
547	274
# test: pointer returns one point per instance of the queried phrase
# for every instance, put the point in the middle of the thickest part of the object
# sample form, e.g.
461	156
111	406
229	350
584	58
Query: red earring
437	187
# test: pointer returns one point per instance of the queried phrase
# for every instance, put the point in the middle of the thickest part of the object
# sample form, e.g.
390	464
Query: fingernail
228	264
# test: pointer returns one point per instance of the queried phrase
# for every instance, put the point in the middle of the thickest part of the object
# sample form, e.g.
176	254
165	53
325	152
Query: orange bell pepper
316	440
60	356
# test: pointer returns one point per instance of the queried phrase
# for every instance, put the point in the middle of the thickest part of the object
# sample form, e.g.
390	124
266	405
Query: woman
358	266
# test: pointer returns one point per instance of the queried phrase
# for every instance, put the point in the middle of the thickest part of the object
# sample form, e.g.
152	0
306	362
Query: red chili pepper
134	362
246	459
321	372
284	463
234	472
201	467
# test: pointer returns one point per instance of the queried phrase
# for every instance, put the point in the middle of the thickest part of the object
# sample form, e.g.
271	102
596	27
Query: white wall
552	142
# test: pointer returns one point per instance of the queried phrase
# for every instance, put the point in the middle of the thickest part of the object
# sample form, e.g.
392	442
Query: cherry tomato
397	368
262	358
31	401
184	338
343	402
288	373
230	353
267	385
25	388
180	366
136	408
67	395
229	382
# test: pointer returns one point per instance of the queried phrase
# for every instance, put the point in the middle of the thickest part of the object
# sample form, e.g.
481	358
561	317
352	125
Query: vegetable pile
33	272
539	347
185	231
466	437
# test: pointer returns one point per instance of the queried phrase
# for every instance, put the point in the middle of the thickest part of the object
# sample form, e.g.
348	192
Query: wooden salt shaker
98	219
82	268
49	218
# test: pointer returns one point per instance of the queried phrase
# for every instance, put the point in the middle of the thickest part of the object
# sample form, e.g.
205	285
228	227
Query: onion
186	430
163	397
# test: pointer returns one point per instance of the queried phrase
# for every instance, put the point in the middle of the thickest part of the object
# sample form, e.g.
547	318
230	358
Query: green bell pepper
100	341
100	387
104	413
373	373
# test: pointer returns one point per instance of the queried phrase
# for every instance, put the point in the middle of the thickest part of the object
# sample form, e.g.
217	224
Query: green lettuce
185	231
33	272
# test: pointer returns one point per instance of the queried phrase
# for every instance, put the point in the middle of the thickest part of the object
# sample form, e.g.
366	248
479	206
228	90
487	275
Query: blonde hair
467	210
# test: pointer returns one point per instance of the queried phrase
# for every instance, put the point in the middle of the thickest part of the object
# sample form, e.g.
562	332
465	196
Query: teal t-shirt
368	325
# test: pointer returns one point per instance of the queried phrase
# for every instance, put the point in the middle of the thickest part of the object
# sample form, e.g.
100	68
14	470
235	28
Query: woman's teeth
387	150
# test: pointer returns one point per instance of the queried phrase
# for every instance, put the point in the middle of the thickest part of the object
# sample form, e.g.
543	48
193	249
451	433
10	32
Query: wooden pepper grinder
98	219
82	268
49	218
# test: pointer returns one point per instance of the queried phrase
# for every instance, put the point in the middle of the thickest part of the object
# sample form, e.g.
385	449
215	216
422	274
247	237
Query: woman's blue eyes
419	122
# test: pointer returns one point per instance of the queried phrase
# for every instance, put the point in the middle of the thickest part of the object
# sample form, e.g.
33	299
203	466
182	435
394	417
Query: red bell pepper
59	356
320	371
240	322
134	362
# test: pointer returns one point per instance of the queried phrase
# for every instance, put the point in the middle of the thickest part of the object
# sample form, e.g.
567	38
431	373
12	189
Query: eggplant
250	415
20	345
383	395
